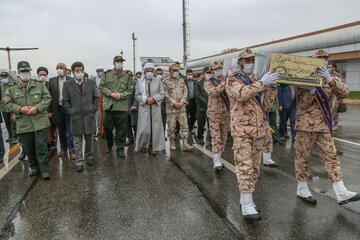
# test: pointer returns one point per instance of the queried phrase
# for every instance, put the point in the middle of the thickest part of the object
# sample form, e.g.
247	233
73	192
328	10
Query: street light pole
134	39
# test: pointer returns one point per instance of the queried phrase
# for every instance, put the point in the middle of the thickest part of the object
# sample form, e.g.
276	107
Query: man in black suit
191	107
58	113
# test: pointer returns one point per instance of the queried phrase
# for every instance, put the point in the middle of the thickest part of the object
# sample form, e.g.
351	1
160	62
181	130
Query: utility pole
134	39
186	32
14	49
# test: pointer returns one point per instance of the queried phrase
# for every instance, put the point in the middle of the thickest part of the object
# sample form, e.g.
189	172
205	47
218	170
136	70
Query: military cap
42	69
119	58
206	69
215	65
320	53
245	53
4	74
23	65
174	67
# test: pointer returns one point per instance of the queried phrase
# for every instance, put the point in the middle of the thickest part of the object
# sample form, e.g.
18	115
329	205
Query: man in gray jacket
80	100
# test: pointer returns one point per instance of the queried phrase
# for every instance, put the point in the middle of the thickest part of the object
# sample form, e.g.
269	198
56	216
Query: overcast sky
94	31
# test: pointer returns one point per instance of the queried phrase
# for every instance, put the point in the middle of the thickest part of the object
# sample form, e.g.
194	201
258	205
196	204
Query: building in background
341	42
159	62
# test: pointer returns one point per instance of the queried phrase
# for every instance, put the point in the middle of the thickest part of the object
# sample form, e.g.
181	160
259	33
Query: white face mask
159	76
149	75
249	68
218	72
175	75
60	72
25	76
190	77
207	76
43	78
79	75
119	65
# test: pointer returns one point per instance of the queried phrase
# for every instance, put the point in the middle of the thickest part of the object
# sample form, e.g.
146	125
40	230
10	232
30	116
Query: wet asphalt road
175	196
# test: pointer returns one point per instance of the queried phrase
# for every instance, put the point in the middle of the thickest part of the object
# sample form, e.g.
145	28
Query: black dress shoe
33	172
90	162
121	153
45	176
218	169
79	168
310	199
253	217
271	165
22	155
353	199
108	150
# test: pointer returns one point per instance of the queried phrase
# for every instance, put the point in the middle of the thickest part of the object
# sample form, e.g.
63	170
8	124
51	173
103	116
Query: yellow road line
12	163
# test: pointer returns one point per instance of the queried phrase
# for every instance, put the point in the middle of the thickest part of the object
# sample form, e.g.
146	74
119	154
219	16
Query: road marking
346	141
12	158
210	154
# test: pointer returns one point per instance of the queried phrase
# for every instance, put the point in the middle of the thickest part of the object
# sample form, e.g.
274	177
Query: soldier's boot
267	161
186	146
343	195
304	193
172	144
218	165
248	207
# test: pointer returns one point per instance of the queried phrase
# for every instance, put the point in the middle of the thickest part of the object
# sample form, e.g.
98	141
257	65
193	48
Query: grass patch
354	95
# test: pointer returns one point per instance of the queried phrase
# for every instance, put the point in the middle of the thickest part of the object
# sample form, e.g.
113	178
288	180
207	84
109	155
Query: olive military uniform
31	129
115	110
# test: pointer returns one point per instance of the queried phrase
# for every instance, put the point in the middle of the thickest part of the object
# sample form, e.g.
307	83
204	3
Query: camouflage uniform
249	125
176	92
312	129
217	112
335	101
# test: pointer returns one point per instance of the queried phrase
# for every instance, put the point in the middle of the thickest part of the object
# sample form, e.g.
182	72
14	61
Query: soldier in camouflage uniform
175	96
249	125
335	102
218	112
313	129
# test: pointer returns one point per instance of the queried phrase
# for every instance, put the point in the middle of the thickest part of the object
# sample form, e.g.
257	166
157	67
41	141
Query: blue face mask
68	75
100	74
329	70
5	80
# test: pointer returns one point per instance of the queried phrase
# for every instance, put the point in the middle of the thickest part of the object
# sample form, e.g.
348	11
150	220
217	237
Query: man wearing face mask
314	127
176	95
51	137
249	125
58	113
335	102
133	113
149	93
191	107
218	112
201	100
81	101
160	74
29	100
99	72
116	86
7	82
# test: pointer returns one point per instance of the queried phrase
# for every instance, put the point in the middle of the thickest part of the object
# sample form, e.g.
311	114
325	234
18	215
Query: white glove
324	73
310	88
269	78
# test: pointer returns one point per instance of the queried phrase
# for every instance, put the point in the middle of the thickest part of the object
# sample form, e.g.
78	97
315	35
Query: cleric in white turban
149	93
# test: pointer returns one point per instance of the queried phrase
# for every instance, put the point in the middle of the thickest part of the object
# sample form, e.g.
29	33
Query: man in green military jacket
201	99
29	100
116	85
6	82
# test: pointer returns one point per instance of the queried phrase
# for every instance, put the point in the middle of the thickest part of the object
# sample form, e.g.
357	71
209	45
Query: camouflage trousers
247	156
268	144
304	143
335	113
219	129
171	121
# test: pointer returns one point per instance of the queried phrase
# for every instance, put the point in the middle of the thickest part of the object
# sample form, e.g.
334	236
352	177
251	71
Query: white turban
99	68
142	86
